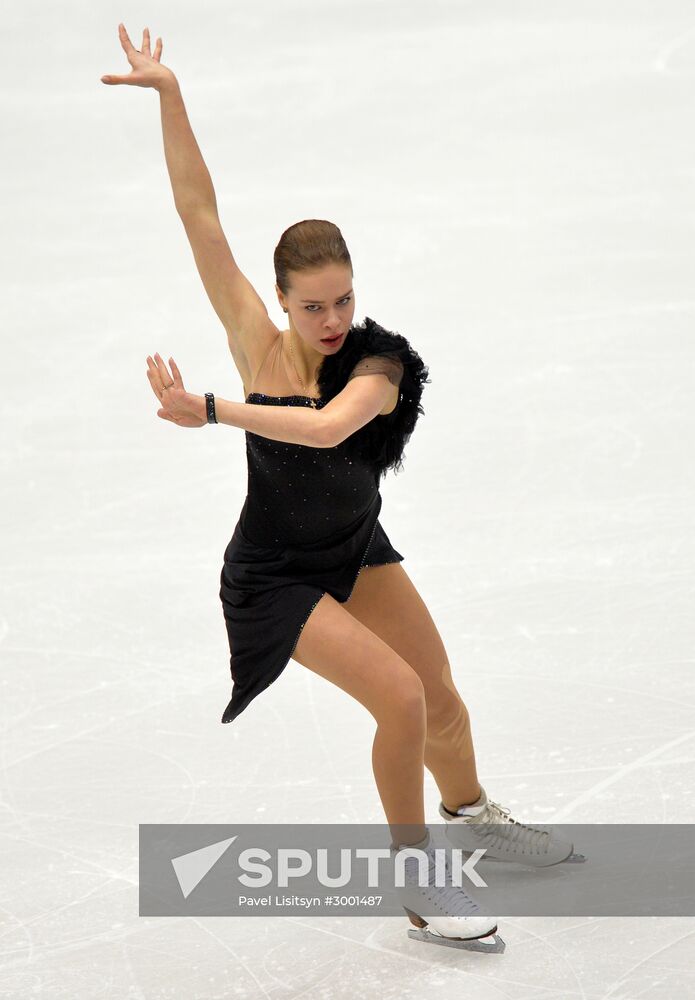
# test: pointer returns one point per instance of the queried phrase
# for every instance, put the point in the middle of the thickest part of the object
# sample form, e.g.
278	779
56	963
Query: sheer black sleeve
379	364
369	347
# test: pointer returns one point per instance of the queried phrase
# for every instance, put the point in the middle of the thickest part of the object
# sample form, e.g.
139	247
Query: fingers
163	370
154	373
125	41
131	51
129	47
176	373
155	380
156	389
159	376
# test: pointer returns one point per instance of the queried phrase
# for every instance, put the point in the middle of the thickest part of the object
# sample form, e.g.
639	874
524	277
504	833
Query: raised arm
250	331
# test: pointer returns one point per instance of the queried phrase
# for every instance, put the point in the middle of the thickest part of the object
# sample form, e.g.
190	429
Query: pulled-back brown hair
307	246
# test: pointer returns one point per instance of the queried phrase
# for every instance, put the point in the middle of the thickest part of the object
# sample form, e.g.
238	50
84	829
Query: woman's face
321	304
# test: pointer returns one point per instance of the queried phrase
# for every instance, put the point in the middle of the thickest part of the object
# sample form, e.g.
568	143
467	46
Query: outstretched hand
179	406
147	70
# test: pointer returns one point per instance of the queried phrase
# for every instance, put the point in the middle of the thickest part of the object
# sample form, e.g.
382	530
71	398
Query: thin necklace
310	398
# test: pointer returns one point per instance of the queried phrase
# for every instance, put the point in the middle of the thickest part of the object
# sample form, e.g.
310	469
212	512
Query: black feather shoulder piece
382	441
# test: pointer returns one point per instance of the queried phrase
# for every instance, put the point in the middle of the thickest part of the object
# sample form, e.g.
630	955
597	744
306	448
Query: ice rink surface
515	182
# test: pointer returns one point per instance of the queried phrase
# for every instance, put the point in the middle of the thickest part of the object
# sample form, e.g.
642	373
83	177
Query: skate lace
513	832
453	899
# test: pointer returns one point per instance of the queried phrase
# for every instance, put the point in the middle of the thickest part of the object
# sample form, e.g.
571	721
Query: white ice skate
456	923
485	824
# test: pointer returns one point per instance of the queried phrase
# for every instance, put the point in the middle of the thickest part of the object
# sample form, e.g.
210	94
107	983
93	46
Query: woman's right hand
147	70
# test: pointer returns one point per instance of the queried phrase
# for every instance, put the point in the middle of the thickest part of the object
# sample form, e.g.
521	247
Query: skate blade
493	943
574	859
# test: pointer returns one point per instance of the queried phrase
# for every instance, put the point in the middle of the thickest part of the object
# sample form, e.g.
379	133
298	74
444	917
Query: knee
407	703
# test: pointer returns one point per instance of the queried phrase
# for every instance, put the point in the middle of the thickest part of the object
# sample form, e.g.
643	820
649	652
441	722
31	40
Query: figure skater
309	572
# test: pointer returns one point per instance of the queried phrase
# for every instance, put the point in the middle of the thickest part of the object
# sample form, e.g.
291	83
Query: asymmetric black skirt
268	594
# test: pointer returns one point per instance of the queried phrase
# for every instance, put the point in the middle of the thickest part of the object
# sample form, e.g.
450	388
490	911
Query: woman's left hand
179	406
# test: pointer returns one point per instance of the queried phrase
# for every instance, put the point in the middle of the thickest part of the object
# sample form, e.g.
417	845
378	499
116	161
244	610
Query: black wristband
210	407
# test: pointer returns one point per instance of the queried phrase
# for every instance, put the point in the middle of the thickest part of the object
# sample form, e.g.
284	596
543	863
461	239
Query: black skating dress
309	522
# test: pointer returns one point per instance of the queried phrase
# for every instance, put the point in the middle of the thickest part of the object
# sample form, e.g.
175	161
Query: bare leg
339	648
386	601
449	754
397	761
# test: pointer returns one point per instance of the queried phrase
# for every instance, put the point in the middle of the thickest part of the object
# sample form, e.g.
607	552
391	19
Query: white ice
515	184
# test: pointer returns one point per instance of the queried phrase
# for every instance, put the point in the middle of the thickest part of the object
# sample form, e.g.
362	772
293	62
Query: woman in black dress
310	573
